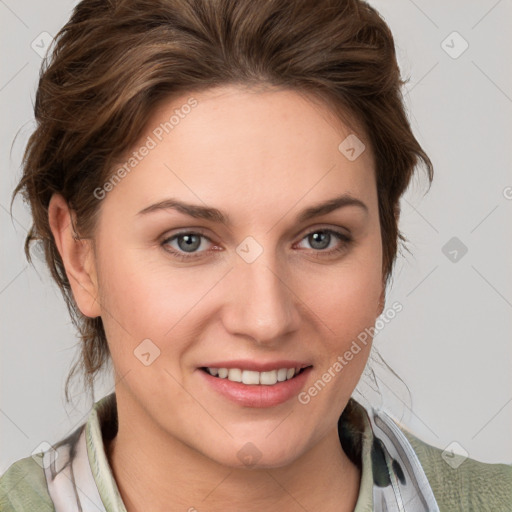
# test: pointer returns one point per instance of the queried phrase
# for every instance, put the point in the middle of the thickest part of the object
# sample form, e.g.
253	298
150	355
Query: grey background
451	343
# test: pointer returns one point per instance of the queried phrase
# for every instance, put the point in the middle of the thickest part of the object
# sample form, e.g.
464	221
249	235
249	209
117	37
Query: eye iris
192	242
322	236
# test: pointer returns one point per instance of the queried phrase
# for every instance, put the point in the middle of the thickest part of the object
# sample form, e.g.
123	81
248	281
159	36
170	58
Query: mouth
255	378
276	385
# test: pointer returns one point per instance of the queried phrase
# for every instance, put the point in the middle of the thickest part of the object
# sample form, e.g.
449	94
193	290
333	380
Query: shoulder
463	483
23	487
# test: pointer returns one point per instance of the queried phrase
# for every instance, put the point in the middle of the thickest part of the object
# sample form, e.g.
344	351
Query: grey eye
190	243
318	239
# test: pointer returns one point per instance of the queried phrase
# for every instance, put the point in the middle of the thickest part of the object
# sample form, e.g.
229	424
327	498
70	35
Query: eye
320	240
188	242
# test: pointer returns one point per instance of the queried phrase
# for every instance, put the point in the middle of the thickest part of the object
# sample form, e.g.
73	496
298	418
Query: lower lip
258	395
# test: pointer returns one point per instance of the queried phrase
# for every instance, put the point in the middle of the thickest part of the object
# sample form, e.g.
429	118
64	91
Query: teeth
281	374
235	375
268	378
250	377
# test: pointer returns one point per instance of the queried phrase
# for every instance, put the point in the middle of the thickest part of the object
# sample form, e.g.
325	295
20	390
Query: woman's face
265	289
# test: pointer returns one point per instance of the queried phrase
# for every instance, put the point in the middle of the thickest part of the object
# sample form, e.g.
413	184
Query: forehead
254	145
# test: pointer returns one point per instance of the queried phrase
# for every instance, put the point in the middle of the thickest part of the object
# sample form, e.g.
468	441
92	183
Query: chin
255	455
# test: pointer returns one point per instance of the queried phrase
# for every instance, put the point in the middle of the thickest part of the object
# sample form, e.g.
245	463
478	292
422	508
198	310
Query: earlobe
77	256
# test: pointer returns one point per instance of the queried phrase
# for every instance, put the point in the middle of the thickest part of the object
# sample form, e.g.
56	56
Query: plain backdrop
450	344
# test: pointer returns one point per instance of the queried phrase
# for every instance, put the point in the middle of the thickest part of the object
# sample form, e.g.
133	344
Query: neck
162	473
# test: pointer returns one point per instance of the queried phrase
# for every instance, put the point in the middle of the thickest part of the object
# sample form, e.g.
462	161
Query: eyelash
342	237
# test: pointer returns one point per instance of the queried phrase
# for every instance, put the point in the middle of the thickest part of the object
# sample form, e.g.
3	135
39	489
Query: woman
217	185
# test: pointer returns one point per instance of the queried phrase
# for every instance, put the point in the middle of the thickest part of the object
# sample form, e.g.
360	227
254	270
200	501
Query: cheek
131	303
346	297
131	288
347	312
141	299
347	306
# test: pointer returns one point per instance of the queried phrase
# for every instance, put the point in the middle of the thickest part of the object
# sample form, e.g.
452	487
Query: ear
77	256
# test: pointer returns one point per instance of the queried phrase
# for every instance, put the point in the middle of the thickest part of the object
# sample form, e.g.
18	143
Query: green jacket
388	470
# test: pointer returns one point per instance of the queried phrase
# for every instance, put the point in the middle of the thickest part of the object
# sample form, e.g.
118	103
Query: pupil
320	235
189	242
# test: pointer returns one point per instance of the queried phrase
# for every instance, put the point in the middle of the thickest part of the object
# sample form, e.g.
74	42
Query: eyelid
302	233
321	227
184	231
343	234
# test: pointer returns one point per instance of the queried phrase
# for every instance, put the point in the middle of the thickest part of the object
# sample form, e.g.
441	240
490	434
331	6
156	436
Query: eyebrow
215	215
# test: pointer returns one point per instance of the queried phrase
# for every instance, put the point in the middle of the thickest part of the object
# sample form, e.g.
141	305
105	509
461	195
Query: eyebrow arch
215	215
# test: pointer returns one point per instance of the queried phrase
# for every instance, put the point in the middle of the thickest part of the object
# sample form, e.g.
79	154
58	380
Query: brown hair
115	60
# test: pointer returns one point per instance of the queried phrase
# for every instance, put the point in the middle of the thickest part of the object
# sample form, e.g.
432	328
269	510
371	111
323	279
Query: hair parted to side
116	60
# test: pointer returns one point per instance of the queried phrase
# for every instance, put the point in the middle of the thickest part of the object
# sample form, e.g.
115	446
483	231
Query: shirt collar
354	429
392	478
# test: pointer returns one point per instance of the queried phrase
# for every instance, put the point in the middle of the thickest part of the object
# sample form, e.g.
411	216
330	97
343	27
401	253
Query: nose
263	303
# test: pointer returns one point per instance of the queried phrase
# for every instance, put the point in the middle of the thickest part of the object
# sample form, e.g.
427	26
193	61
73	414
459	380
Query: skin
261	157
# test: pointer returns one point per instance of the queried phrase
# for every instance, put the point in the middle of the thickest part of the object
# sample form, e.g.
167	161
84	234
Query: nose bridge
263	304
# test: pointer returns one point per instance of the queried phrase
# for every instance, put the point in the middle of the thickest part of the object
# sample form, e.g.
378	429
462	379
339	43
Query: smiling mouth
254	378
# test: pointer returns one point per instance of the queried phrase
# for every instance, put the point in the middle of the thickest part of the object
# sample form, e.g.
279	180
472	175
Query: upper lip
251	365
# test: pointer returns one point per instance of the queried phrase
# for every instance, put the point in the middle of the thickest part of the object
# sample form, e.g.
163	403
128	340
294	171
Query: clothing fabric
399	472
